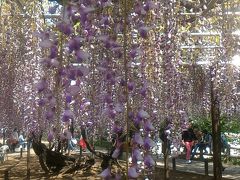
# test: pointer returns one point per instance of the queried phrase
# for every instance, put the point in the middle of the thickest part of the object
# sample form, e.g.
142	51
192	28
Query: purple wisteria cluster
88	55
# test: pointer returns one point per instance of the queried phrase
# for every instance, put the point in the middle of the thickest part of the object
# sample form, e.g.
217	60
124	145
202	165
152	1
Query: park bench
235	149
205	161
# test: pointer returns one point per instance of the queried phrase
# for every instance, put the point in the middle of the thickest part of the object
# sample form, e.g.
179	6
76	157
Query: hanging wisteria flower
133	52
117	127
45	62
41	85
42	102
49	96
67	115
122	82
93	34
75	43
131	115
111	113
50	137
52	102
82	71
87	9
72	74
148	161
84	105
148	126
132	172
108	98
108	44
118	177
149	5
117	52
118	27
119	107
82	55
143	31
143	91
148	143
139	9
104	21
69	11
104	1
49	114
53	52
46	43
66	82
137	138
68	98
109	75
137	122
137	156
73	90
143	114
131	85
54	63
65	28
106	173
116	153
103	38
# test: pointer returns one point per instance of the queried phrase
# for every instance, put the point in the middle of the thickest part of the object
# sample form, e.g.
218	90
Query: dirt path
19	172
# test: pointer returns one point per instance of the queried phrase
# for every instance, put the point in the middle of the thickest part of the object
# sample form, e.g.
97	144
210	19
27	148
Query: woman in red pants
188	139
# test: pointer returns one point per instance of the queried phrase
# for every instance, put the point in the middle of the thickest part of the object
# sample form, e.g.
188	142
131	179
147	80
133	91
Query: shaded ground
19	171
198	166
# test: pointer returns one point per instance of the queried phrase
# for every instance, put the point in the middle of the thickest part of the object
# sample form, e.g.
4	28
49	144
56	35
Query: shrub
228	124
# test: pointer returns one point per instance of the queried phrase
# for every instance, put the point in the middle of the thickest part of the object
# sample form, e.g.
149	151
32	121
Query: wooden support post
228	151
80	151
6	174
21	151
28	174
174	164
206	167
28	159
201	153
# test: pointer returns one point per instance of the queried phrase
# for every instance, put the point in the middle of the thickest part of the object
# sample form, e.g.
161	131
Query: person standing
14	139
188	140
83	138
21	140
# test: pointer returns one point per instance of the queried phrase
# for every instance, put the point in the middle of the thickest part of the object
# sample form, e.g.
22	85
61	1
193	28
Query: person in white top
21	140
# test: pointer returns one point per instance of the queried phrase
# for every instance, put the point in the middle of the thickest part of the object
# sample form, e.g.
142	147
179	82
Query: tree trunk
166	156
216	133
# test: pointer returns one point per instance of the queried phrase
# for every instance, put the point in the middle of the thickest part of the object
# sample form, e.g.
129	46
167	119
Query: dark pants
201	147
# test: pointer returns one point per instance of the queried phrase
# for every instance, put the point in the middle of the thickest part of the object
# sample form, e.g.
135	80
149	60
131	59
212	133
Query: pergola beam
200	47
199	14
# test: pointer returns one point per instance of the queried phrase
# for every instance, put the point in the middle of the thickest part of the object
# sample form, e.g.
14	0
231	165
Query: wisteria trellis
87	47
99	35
